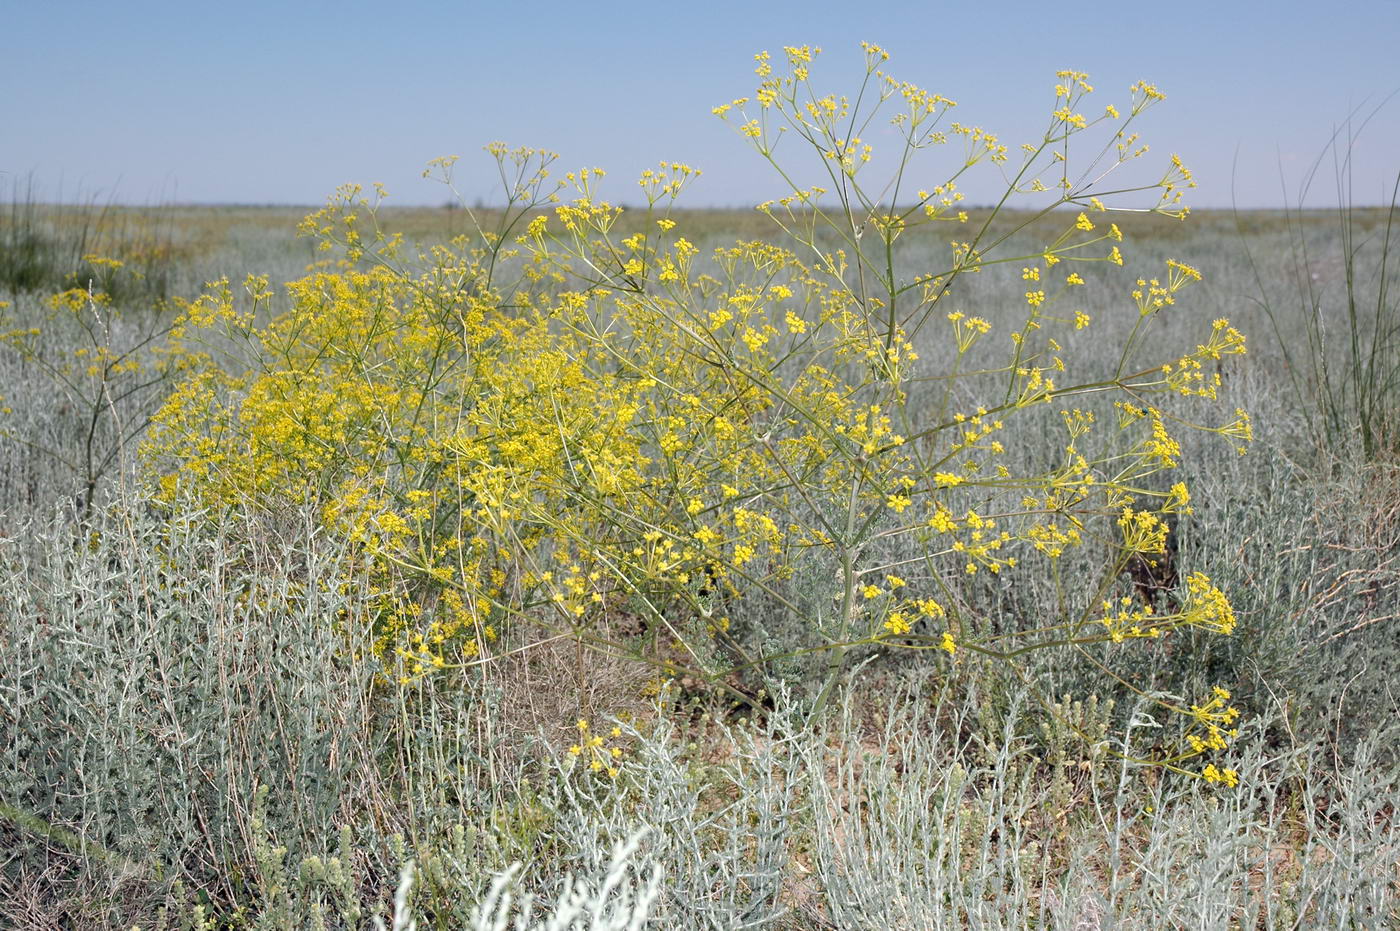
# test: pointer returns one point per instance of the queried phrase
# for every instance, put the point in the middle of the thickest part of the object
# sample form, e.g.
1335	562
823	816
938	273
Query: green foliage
1344	275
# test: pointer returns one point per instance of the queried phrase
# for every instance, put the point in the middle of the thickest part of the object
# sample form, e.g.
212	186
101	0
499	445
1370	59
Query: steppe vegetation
560	565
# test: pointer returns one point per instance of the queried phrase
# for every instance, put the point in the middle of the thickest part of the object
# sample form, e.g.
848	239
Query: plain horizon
153	102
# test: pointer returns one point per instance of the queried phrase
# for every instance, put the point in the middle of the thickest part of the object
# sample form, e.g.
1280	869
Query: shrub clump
575	413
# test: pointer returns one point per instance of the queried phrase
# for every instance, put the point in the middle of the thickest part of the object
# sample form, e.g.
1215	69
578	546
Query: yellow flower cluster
568	413
1215	721
601	754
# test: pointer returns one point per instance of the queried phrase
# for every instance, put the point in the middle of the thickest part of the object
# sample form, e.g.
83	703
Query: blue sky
258	102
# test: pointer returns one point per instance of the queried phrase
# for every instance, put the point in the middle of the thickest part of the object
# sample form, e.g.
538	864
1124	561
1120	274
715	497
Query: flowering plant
572	413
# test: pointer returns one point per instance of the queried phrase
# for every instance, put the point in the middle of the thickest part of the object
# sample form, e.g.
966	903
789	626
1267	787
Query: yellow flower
1228	777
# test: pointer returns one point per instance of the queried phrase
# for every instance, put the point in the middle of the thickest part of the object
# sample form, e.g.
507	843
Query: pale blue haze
260	102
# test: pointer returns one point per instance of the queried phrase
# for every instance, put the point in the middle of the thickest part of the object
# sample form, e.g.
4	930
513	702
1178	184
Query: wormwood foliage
105	365
567	414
